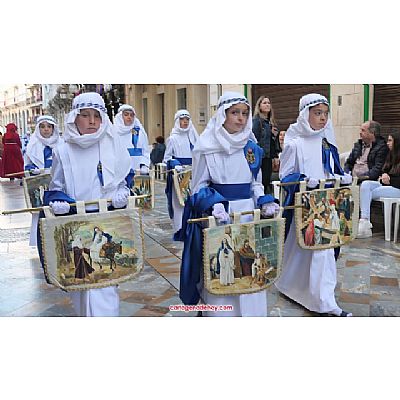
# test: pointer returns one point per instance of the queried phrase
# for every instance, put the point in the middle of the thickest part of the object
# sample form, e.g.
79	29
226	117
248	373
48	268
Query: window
181	94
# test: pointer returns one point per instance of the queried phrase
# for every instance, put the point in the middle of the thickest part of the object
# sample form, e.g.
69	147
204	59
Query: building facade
156	104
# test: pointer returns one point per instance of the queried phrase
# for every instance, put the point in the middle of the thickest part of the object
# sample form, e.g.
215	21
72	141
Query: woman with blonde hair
263	122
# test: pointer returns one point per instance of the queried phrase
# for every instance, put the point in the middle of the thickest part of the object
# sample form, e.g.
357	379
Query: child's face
236	118
318	116
128	116
265	106
46	129
184	122
88	121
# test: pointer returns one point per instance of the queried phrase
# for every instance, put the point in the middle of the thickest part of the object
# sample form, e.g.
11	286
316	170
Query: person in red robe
12	155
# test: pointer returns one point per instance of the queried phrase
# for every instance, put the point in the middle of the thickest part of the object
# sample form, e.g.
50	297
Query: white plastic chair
387	215
396	220
276	188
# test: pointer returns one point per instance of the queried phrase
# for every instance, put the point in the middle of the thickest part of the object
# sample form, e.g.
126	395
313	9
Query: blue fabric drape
171	164
47	153
253	154
327	150
289	199
192	256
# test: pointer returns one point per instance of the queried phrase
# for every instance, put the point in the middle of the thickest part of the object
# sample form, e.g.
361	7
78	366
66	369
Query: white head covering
302	126
119	124
190	130
114	167
216	138
37	143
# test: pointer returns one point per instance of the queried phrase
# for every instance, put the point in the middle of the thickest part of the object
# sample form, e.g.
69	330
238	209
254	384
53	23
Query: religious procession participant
39	155
177	154
310	152
134	138
89	164
226	177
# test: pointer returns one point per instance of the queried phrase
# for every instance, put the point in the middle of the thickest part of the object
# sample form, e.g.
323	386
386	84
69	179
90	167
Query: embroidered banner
144	185
94	250
243	258
34	187
182	184
326	218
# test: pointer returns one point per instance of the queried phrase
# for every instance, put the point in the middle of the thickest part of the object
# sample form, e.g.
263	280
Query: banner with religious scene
94	250
182	184
243	258
34	188
326	218
144	185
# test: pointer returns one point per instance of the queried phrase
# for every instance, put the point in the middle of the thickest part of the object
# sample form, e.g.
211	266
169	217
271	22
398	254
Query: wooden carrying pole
36	209
14	174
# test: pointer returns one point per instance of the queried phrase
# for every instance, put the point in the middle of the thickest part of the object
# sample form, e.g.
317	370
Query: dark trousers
266	169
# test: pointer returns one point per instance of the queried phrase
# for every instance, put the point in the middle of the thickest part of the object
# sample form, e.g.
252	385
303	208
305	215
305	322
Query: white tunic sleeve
257	187
169	150
145	147
288	160
57	174
200	174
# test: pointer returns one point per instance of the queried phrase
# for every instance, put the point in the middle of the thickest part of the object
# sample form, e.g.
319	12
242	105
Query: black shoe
346	314
199	314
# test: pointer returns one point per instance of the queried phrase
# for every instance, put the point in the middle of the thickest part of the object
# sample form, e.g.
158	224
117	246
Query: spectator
388	185
12	155
157	154
369	153
264	129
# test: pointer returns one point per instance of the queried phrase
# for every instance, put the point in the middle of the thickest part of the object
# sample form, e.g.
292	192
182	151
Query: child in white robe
90	164
178	153
309	276
220	163
134	138
39	155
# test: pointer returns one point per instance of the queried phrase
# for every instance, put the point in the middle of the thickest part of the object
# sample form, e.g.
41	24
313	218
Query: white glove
120	199
144	170
269	209
35	171
59	207
345	179
219	213
312	183
178	168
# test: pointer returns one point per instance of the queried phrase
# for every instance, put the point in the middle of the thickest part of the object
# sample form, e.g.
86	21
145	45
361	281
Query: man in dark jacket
369	153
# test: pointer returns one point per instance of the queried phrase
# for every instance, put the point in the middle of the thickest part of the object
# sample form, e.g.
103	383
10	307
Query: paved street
368	271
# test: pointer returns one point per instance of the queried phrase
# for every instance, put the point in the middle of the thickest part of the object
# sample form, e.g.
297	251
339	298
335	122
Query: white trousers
372	190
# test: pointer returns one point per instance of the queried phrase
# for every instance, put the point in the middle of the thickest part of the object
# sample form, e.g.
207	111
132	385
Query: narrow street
368	271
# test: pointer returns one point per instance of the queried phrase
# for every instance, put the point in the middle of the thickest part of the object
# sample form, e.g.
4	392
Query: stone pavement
368	271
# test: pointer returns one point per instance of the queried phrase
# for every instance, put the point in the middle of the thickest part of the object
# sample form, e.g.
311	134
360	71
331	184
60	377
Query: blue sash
184	161
233	192
135	151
